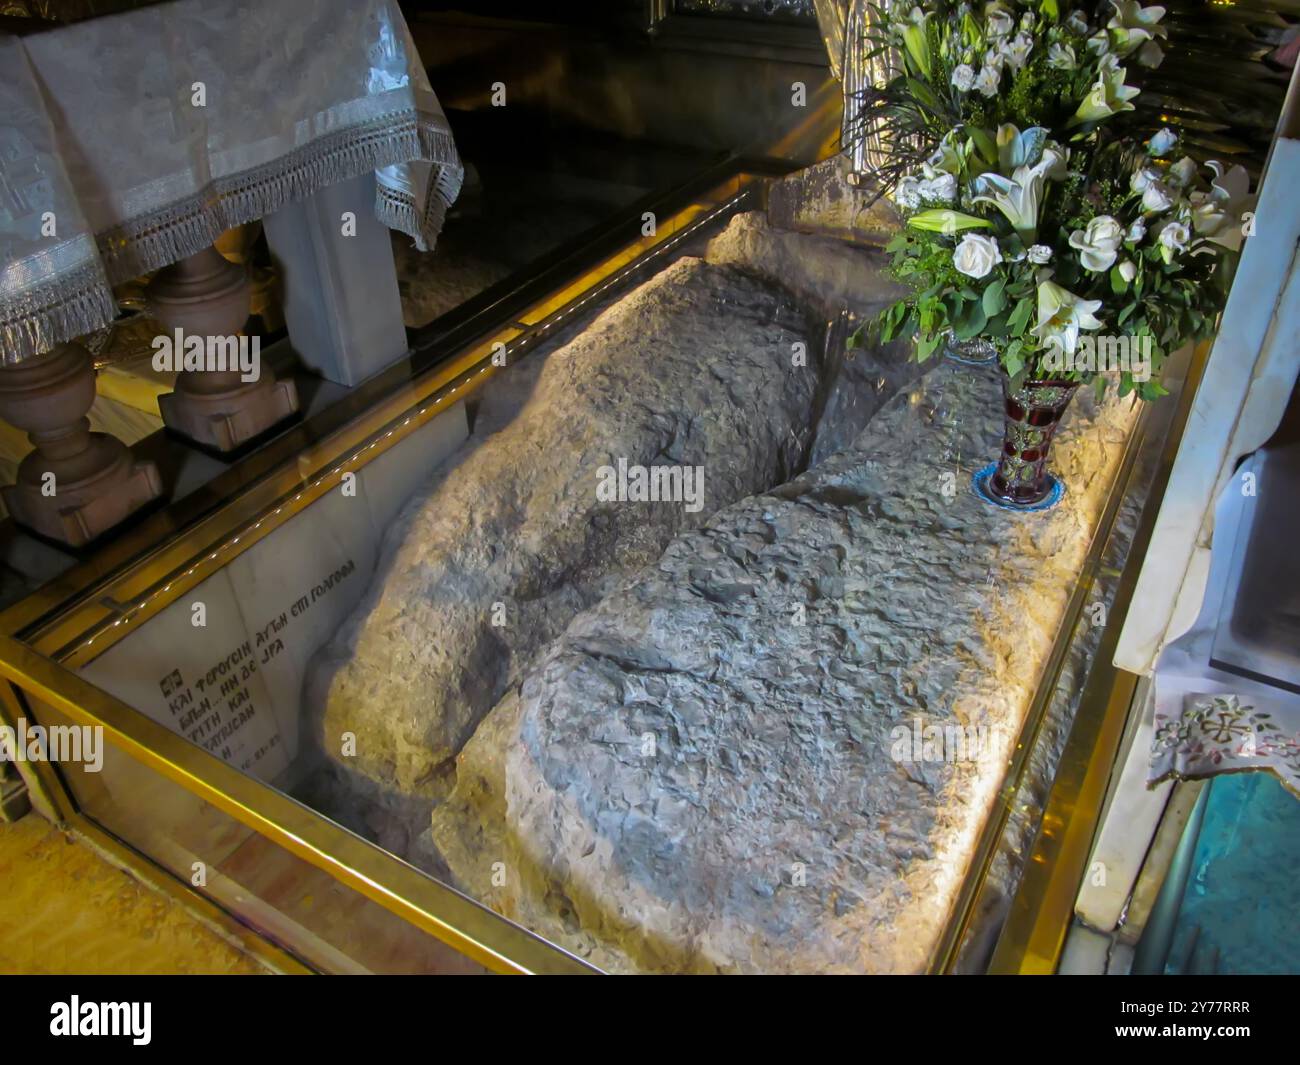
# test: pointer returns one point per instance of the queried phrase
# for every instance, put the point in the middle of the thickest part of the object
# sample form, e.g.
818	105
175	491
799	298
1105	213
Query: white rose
1136	232
1098	245
907	193
988	81
963	77
1174	237
976	255
1156	197
1077	22
1162	142
999	24
1143	178
1182	173
941	187
1128	271
1062	57
1039	254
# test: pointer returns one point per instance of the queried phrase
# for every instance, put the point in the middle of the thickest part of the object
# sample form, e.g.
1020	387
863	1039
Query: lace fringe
188	227
72	305
56	311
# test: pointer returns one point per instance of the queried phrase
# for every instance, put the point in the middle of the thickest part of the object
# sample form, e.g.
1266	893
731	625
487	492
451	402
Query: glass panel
1239	911
285	898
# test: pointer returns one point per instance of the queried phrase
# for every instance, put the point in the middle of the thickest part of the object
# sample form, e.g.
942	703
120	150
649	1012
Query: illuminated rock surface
694	368
691	779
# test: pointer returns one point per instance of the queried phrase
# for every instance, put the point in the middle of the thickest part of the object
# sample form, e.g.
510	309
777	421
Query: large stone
819	199
843	286
510	539
701	773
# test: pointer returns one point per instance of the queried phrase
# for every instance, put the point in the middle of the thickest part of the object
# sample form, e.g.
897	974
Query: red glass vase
1033	411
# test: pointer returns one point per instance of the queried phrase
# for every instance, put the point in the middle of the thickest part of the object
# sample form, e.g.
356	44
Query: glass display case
635	620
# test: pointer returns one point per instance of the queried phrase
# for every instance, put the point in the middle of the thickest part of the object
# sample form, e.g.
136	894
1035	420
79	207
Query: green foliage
1149	290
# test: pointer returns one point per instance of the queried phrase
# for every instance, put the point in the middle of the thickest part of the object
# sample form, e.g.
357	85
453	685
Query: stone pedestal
207	296
76	484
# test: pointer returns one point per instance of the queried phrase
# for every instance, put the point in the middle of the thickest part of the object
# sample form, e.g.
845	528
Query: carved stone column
208	296
76	484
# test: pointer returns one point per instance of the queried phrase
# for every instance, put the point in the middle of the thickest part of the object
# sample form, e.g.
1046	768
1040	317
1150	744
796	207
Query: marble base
83	510
225	421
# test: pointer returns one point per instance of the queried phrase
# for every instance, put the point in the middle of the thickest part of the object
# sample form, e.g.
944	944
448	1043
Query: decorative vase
977	351
1019	480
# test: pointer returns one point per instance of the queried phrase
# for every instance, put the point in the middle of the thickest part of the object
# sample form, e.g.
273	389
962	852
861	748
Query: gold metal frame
469	928
1043	907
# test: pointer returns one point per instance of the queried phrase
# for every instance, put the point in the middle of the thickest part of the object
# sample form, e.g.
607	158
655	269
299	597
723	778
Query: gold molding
1043	907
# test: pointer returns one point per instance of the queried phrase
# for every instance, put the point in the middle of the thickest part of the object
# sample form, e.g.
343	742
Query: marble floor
64	909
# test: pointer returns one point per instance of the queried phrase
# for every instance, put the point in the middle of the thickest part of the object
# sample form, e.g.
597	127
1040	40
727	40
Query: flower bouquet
1042	224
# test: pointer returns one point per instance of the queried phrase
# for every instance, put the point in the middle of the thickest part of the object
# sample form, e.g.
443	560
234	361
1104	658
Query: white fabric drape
131	141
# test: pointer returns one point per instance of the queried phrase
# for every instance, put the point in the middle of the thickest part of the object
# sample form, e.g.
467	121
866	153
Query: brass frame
1043	907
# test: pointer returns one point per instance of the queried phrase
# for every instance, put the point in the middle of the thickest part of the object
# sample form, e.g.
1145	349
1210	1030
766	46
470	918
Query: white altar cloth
131	141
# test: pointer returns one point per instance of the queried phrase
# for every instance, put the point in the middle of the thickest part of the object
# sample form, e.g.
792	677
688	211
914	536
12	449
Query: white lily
1018	197
945	158
1108	96
1061	57
1151	55
1017	50
1217	214
1133	25
1061	314
988	80
1016	148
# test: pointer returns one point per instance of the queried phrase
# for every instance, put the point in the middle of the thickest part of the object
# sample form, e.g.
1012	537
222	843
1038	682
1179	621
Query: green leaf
1117	282
925	94
994	297
971	323
1011	359
941	220
985	145
1020	317
925	346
